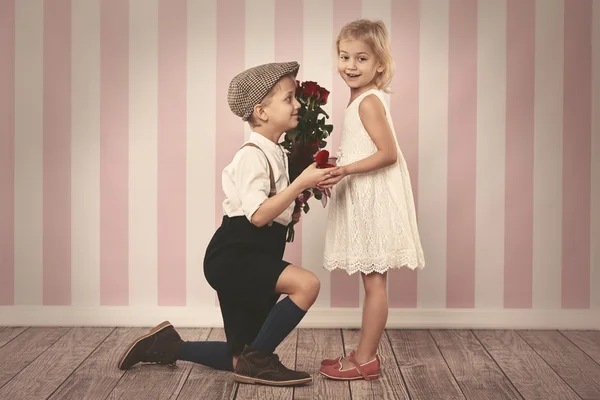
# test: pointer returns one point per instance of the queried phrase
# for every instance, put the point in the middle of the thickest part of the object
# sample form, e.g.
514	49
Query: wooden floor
80	363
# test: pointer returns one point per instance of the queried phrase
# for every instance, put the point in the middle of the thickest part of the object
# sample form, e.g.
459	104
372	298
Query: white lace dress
371	224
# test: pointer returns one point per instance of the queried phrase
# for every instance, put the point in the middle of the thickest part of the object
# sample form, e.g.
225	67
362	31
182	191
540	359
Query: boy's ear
260	112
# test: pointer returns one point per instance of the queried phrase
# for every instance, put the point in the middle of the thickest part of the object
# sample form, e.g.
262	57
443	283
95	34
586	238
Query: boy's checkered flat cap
248	88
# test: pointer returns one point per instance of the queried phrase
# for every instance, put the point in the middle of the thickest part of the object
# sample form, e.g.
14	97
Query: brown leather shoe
159	346
254	366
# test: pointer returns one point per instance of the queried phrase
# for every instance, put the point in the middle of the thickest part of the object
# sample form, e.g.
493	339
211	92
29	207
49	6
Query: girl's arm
372	115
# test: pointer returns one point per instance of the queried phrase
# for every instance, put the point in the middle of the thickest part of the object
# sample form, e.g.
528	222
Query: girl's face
357	64
283	107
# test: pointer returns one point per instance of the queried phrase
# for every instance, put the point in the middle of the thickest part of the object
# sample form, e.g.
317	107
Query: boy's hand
312	175
336	176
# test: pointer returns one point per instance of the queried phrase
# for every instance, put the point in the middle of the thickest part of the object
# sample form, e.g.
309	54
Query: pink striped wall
576	154
119	247
172	103
56	153
462	133
405	113
7	153
114	150
520	41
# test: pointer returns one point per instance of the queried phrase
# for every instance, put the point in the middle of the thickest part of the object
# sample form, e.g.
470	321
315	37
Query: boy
243	261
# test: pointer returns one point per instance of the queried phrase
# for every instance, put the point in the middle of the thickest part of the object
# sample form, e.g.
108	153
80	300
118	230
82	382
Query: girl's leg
374	318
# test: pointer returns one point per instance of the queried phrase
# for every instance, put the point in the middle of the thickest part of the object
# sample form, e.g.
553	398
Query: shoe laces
160	357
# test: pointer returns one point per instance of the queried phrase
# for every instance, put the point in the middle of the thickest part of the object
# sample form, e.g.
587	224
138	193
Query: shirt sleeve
252	181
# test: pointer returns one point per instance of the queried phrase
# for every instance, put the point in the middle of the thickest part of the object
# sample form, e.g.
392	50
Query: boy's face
283	107
357	64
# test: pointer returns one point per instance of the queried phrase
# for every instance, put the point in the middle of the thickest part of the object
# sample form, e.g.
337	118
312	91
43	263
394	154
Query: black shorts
243	263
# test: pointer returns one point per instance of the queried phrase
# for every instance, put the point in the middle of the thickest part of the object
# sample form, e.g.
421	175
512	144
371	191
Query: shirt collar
264	142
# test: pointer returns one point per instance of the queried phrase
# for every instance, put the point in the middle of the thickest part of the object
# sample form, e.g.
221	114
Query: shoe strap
358	367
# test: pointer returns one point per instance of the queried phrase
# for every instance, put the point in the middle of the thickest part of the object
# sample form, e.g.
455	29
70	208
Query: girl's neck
355	92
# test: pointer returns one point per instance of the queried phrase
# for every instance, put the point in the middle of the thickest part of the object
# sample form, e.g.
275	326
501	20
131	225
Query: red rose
322	157
310	88
323	95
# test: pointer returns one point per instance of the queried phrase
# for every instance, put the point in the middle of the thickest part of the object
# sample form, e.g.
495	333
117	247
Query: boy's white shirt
246	180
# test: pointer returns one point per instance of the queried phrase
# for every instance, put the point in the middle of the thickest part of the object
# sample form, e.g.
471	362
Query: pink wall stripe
344	287
7	151
114	153
462	136
172	105
289	26
57	153
231	47
404	101
518	252
577	127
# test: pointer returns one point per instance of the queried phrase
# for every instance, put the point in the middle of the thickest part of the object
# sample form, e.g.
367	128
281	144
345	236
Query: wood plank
426	373
587	341
44	375
477	374
314	345
9	333
150	381
208	383
21	351
390	384
578	370
530	375
287	355
99	374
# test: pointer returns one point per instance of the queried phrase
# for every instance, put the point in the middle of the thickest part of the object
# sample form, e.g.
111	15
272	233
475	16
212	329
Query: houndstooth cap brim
250	87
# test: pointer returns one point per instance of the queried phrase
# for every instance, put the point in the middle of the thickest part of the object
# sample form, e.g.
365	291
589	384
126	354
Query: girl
371	225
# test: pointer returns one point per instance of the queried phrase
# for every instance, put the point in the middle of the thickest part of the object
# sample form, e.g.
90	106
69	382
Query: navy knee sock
211	354
280	322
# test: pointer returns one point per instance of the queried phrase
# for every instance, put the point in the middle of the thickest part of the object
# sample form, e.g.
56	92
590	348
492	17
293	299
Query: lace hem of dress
408	259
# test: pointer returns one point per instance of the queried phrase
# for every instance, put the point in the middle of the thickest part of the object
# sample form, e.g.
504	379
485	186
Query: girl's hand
336	176
312	175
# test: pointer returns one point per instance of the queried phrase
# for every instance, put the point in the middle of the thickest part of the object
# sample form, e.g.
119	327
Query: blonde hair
375	35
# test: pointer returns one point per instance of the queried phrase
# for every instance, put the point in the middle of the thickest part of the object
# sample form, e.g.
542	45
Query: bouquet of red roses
304	142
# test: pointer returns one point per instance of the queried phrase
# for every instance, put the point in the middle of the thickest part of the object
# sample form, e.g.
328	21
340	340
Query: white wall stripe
143	77
433	149
548	136
201	131
379	10
317	66
376	10
260	37
28	151
85	153
491	154
595	213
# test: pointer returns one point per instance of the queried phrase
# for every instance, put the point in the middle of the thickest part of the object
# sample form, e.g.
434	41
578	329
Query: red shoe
367	371
331	361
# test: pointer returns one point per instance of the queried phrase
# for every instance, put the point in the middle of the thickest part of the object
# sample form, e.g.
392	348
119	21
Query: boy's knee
311	285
